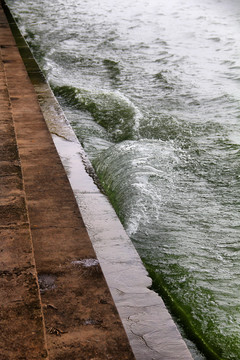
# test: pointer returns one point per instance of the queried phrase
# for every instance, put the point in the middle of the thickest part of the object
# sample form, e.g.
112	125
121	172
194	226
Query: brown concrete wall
21	321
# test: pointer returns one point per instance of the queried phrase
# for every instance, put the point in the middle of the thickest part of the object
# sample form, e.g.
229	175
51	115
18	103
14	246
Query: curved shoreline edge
150	329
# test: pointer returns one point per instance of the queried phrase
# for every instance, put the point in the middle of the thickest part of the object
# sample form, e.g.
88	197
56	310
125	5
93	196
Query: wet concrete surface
43	234
22	334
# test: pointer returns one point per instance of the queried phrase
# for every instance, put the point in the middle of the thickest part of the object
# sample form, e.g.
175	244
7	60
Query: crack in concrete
145	342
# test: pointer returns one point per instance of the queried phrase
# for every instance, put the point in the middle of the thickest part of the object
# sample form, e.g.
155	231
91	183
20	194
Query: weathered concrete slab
21	318
80	316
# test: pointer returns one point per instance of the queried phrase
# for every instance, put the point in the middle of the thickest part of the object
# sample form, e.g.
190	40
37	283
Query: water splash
112	110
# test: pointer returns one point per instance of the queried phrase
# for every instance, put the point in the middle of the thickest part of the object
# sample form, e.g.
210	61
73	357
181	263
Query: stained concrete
21	319
44	241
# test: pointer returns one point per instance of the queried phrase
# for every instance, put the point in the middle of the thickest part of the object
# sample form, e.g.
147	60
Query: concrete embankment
55	302
39	211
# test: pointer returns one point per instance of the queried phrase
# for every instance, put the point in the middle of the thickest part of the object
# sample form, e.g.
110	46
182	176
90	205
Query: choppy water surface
152	89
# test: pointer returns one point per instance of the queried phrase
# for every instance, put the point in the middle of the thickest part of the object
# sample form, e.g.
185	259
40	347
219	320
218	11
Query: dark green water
152	90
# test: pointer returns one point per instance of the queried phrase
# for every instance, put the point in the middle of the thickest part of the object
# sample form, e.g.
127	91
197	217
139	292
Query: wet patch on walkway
46	282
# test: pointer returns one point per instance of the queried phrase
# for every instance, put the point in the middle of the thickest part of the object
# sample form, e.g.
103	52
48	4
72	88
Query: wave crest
112	110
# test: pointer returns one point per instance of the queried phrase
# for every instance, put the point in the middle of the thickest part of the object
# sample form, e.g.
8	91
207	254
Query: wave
138	177
111	109
172	215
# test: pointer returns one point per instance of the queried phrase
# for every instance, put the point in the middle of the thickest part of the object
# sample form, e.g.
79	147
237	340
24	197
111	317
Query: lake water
152	90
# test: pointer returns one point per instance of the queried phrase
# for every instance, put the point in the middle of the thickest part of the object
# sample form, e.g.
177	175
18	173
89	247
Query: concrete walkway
47	262
21	321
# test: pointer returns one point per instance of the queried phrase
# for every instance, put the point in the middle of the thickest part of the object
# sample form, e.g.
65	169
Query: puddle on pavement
92	322
86	263
46	282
